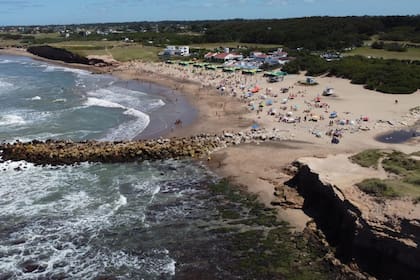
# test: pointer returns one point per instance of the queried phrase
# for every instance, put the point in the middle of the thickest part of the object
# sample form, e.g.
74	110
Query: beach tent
289	114
262	104
255	126
255	90
342	122
228	69
333	115
269	102
284	101
210	67
249	71
328	91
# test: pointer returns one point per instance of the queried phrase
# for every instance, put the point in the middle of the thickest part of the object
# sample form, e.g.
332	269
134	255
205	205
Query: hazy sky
26	12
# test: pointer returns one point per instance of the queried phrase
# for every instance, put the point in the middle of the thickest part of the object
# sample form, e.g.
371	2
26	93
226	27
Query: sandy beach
224	104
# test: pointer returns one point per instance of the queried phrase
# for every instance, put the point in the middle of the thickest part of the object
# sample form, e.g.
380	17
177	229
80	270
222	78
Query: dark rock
63	55
31	266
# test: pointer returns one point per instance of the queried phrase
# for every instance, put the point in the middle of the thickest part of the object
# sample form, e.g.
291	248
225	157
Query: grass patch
377	187
120	51
233	45
407	183
368	158
417	154
410	54
400	164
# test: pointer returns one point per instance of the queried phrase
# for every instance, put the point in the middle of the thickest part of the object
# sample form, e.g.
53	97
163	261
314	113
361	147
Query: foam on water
53	68
5	61
57	217
127	130
7	120
6	85
36	98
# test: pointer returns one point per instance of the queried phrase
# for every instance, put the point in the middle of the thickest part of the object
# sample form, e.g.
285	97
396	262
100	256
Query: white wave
59	100
127	130
5	85
156	104
6	120
91	101
53	68
6	61
36	98
59	222
121	202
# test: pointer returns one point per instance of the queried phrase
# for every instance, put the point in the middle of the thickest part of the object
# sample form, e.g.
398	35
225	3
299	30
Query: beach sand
260	168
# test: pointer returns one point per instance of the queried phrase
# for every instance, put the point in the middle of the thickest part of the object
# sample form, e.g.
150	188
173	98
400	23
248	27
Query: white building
177	50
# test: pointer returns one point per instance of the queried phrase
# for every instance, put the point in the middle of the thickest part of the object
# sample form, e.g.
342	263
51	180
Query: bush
368	158
377	187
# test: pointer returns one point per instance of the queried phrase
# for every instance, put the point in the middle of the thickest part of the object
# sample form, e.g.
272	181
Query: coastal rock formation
386	247
64	55
68	152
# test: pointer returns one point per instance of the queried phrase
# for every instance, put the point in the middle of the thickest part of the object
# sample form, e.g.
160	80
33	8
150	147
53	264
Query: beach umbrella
255	126
333	115
269	102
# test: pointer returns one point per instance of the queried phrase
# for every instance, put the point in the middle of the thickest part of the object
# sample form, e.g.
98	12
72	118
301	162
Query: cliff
381	237
64	55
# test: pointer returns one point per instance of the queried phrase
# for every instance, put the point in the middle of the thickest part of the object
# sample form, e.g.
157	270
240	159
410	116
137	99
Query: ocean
171	219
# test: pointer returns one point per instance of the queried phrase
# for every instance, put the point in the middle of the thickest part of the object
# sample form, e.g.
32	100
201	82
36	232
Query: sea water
121	221
149	220
42	101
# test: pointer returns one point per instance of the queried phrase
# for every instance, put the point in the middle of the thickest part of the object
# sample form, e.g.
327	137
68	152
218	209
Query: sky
42	12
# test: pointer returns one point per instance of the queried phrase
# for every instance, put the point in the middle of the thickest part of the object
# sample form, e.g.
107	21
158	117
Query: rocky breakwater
364	232
68	152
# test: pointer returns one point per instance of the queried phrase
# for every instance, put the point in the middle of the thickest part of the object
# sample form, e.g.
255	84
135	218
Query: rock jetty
69	152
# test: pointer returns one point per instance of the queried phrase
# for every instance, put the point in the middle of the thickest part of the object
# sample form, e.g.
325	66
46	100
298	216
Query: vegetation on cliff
403	170
264	247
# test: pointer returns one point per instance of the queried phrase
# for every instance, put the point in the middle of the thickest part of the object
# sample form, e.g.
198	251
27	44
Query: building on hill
222	57
176	50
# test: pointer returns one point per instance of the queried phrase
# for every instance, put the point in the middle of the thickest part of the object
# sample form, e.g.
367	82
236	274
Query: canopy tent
275	74
228	69
249	71
210	67
328	91
255	89
269	102
255	126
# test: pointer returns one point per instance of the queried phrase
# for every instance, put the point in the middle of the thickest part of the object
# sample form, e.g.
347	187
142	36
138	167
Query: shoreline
161	120
263	168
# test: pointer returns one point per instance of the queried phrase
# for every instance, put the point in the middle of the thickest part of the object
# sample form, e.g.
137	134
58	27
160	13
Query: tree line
384	75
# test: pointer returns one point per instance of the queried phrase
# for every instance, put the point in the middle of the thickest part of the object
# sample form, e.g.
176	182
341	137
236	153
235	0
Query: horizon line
198	20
